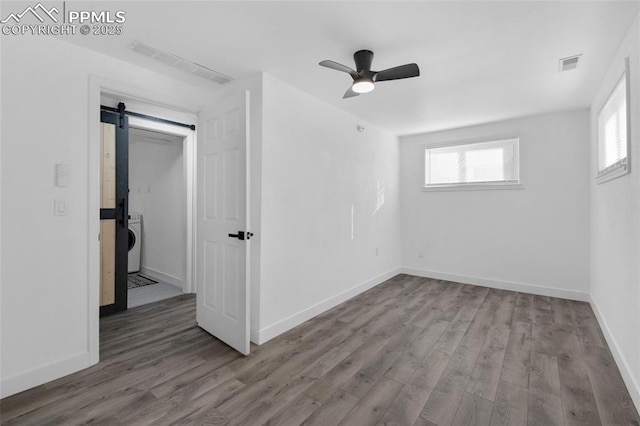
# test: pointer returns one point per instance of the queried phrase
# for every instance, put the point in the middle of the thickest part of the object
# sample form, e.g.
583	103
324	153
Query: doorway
147	161
157	264
224	119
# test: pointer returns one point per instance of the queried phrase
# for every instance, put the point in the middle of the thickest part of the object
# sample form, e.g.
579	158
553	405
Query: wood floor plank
190	379
586	326
542	311
371	372
562	311
473	411
190	405
333	410
488	369
209	416
272	401
615	406
516	366
510	406
443	402
422	422
145	410
455	332
326	386
410	351
406	407
544	409
374	404
578	402
447	293
544	374
545	394
294	413
524	311
409	361
327	361
553	339
506	307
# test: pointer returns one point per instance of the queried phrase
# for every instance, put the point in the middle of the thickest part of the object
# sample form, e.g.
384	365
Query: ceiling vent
179	63
568	64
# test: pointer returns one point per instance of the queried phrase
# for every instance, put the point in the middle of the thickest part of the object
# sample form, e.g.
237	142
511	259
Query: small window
613	135
489	163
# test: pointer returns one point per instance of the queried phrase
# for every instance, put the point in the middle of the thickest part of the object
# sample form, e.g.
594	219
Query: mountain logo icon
39	11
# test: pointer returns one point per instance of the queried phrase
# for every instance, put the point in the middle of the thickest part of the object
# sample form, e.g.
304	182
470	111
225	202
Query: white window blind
491	162
612	130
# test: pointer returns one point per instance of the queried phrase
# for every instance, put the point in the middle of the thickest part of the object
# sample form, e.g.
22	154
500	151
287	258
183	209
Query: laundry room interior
157	217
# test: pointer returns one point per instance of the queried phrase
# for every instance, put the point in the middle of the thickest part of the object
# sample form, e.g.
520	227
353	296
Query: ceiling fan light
362	85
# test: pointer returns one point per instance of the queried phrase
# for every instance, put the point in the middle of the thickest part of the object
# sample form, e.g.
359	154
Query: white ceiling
479	61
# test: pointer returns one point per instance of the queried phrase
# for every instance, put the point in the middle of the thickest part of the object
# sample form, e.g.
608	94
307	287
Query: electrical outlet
60	208
377	251
420	254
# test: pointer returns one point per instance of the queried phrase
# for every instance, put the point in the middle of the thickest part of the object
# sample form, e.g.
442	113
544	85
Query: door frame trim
98	86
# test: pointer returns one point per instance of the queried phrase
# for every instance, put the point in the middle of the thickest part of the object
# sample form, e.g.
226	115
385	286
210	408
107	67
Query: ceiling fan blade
363	59
336	66
350	93
396	73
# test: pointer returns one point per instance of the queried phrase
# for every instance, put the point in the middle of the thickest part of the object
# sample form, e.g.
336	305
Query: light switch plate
62	174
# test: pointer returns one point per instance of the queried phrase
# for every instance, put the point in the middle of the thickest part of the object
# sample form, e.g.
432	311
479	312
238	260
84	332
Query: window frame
470	186
621	167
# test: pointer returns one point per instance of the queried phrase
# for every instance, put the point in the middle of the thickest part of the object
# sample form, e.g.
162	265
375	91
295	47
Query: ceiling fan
364	78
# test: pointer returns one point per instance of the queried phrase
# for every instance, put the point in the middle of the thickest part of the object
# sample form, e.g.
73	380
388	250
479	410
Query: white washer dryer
135	242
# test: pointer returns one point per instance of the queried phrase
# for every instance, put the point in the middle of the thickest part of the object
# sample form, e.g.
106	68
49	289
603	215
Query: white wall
322	211
45	275
533	239
615	229
157	190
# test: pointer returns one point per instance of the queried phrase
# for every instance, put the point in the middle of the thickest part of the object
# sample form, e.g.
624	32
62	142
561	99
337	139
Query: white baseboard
263	335
502	285
38	376
161	276
632	383
254	336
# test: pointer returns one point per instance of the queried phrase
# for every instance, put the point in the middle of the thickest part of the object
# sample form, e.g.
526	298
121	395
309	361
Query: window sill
614	173
471	187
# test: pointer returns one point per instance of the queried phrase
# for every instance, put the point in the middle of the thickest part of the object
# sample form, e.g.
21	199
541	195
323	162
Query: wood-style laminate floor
411	351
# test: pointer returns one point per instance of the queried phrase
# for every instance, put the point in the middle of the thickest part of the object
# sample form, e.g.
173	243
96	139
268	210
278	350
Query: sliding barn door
114	182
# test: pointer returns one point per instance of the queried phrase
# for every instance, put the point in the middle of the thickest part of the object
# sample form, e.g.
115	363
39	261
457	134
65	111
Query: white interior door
222	263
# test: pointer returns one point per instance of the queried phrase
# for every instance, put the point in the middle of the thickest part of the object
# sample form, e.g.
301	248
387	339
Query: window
613	133
492	163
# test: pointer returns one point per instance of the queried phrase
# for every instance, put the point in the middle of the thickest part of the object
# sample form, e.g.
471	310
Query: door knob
239	235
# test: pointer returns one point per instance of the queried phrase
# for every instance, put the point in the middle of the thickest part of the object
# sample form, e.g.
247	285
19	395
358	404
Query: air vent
568	64
179	63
